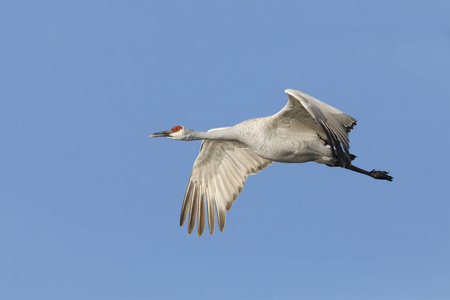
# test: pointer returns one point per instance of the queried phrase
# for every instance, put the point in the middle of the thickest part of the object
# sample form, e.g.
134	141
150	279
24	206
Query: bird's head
175	133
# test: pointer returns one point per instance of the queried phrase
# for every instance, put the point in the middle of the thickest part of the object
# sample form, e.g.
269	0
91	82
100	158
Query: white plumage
306	129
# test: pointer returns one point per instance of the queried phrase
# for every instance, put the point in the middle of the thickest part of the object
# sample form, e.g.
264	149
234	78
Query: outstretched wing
217	178
331	124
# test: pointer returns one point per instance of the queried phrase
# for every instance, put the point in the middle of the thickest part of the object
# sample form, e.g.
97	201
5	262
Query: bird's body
306	129
268	139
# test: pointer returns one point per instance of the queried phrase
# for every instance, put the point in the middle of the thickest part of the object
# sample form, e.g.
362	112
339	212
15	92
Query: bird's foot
381	175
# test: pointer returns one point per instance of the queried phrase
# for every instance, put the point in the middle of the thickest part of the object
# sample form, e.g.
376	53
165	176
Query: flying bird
306	129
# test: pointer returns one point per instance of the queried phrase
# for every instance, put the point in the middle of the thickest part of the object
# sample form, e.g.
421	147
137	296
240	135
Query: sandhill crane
306	129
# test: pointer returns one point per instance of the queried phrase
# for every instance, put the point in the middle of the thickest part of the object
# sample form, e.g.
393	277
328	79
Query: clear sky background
89	205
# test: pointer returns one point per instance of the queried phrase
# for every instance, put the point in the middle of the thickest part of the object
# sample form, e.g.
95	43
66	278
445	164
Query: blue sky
89	205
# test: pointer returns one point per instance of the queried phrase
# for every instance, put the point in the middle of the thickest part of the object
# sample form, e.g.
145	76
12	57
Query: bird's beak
161	133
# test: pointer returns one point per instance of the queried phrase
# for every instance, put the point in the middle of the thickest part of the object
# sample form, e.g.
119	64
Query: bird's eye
177	128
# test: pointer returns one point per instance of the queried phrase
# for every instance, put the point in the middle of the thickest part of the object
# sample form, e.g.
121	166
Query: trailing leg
374	174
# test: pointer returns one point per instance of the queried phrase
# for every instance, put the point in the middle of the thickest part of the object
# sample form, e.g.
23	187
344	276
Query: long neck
224	134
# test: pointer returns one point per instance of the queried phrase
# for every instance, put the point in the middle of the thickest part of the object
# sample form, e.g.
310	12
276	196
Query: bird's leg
375	174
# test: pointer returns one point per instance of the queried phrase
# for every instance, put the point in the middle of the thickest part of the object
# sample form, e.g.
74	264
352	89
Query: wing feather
216	180
211	208
201	221
193	209
186	203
